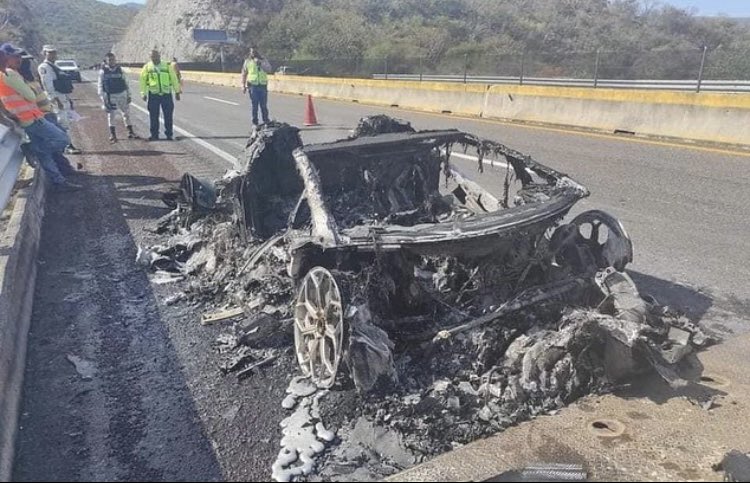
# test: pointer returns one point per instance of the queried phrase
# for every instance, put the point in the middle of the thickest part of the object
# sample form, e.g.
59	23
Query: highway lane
157	407
685	206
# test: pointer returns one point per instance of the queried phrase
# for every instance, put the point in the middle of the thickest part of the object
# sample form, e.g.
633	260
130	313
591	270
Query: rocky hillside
16	25
81	29
168	25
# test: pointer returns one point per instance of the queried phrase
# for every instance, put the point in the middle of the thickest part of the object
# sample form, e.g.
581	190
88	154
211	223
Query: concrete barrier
19	244
703	117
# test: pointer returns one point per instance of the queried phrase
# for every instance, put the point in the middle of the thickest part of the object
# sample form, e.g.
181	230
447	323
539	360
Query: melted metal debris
465	311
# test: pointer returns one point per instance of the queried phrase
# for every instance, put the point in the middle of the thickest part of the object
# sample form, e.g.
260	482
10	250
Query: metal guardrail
11	159
674	85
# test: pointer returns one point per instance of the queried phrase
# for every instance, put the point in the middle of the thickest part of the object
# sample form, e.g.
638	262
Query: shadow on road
693	303
141	196
132	417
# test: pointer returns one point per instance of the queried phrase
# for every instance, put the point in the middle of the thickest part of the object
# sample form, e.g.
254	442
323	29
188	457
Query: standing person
115	94
58	87
158	82
47	140
255	78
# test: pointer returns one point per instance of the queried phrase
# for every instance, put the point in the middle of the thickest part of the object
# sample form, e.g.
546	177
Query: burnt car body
384	224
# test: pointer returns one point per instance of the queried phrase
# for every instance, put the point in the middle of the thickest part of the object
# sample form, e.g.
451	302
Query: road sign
208	36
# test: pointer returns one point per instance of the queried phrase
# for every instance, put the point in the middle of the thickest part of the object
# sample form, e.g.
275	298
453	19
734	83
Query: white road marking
487	162
232	160
221	100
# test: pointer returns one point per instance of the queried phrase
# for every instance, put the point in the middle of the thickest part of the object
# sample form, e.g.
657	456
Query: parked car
70	67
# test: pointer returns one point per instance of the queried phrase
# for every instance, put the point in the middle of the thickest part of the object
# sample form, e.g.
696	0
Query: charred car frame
383	226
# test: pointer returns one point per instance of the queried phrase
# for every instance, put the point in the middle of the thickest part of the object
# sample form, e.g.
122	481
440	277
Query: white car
70	67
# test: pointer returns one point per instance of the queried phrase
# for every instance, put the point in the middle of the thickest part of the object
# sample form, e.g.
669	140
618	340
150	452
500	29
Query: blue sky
733	8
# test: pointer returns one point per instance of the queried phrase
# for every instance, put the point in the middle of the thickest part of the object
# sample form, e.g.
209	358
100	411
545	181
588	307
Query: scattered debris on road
424	311
226	314
735	466
85	369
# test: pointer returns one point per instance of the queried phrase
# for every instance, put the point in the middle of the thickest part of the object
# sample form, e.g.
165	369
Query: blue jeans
166	104
259	98
47	142
63	163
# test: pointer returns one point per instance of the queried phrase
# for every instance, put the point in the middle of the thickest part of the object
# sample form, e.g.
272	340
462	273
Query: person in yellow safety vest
158	82
20	101
255	78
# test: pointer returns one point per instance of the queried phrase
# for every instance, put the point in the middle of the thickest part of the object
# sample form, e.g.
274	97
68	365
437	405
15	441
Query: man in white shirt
114	92
58	89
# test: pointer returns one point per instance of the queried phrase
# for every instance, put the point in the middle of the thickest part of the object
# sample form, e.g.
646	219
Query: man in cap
18	61
58	87
20	101
158	82
115	94
255	73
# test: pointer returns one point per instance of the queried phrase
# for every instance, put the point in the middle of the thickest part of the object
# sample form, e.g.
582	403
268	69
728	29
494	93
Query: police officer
158	82
255	78
58	87
115	94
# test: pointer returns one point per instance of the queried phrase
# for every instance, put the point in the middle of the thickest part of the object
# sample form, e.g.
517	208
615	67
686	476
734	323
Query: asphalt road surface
121	387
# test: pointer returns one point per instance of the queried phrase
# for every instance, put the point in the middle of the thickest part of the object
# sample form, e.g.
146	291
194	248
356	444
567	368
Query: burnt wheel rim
319	327
615	249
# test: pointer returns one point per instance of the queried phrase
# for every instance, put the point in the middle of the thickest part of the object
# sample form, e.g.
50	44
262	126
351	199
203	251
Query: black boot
113	135
131	133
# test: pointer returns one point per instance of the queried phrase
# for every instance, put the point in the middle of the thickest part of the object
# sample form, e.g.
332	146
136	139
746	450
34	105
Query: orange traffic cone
310	118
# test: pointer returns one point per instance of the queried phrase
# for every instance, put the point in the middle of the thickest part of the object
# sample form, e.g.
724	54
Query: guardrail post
386	68
596	68
421	69
523	66
466	68
703	66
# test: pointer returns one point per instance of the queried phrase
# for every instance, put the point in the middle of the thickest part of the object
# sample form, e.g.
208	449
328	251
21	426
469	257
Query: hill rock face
84	30
16	25
561	37
167	25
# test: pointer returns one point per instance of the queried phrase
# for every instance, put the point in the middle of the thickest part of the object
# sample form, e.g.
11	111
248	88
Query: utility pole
703	67
596	68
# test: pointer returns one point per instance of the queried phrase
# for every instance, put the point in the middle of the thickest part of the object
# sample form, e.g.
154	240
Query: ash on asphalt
156	406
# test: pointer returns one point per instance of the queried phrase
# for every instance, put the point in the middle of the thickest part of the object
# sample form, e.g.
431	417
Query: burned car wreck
385	225
452	311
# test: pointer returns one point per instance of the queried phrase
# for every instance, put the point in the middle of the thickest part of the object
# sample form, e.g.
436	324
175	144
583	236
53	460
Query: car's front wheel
319	327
